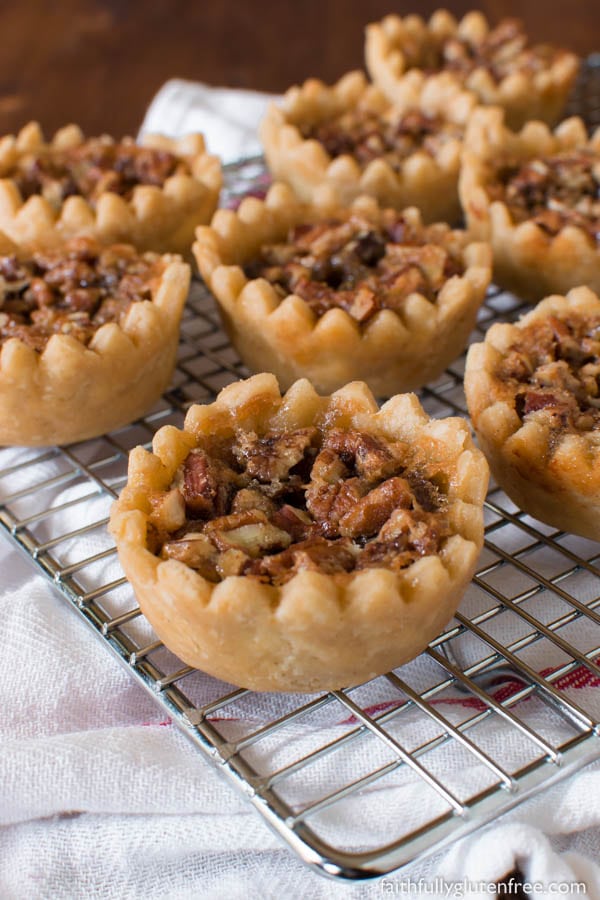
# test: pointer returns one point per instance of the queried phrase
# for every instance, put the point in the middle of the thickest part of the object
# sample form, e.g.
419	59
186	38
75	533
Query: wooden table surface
99	62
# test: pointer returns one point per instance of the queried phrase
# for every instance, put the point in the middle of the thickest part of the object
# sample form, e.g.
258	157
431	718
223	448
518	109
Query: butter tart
301	542
534	398
347	140
534	195
336	294
499	64
88	337
152	194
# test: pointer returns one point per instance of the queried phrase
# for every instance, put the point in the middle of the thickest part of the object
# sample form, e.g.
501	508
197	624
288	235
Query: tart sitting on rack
152	194
535	196
336	294
533	396
347	140
300	542
88	337
498	64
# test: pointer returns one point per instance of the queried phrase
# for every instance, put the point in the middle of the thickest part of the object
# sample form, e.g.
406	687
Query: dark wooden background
98	62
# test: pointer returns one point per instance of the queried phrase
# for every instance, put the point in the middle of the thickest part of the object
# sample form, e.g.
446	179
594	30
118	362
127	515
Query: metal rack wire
333	774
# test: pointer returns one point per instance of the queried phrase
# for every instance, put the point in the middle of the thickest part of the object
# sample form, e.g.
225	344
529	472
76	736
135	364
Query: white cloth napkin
101	796
226	118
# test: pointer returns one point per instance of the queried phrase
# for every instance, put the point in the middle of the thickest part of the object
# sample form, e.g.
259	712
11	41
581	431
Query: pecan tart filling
92	168
72	290
359	266
269	506
504	50
367	135
553	191
554	367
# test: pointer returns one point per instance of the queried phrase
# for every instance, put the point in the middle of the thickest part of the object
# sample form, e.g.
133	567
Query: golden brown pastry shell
392	352
561	488
397	43
527	260
71	392
318	631
424	180
161	219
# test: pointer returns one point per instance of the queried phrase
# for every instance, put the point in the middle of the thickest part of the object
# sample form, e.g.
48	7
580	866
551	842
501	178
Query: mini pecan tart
152	195
347	140
301	542
88	337
534	195
498	64
533	394
335	294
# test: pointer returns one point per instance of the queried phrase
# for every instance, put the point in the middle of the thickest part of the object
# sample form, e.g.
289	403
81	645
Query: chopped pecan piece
248	498
371	458
420	533
271	457
231	562
254	539
249	531
370	514
516	364
328	467
364	305
328	503
535	400
207	484
315	554
196	551
296	522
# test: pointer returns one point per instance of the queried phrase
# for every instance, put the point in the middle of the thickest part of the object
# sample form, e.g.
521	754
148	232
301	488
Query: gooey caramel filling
358	266
367	135
504	51
92	168
73	289
272	505
553	369
553	191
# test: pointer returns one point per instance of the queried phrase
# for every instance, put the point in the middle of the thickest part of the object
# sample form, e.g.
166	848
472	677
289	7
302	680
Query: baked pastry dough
151	195
532	392
347	140
301	542
534	196
498	64
88	338
335	294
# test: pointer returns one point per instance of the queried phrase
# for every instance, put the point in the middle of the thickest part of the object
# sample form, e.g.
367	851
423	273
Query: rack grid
363	781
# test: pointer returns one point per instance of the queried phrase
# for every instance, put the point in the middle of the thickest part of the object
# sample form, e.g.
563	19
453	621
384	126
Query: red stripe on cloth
580	677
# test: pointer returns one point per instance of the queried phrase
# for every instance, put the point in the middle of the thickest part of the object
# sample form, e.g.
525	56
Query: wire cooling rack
363	781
